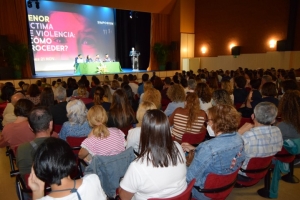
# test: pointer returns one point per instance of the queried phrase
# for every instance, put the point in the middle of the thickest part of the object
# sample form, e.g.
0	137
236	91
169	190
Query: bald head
16	97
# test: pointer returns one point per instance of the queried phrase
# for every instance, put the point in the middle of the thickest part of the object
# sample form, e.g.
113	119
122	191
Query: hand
246	127
35	183
187	147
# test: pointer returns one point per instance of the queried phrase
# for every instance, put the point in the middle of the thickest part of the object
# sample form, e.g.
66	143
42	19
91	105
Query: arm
125	195
246	127
83	153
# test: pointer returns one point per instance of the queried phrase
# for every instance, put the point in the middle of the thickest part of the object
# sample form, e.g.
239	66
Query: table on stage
92	67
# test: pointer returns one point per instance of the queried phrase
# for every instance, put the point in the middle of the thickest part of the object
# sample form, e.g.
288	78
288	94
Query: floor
287	191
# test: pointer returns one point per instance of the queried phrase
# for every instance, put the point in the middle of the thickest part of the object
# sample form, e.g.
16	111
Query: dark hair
289	85
39	119
168	80
158	83
23	107
53	161
47	97
240	81
6	92
255	83
130	77
98	95
53	83
121	110
21	83
129	93
39	83
183	82
269	89
203	92
156	144
96	80
145	77
33	90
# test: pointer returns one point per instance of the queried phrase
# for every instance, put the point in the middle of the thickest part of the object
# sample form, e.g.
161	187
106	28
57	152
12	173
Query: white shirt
146	181
90	189
133	138
134	87
205	106
8	114
80	60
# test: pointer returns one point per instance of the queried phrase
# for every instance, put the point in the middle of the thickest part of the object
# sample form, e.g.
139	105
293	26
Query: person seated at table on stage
107	58
79	59
97	59
88	59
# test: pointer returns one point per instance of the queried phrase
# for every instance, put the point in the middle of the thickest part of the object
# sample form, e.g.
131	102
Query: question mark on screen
66	46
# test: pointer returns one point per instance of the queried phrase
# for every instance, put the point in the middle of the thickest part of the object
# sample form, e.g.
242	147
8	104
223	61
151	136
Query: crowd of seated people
117	114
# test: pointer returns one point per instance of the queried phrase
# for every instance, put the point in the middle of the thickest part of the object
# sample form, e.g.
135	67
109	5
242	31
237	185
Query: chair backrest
219	186
75	143
185	195
244	121
193	138
57	128
284	156
126	129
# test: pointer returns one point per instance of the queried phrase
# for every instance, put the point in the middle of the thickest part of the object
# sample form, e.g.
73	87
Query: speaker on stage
236	50
281	45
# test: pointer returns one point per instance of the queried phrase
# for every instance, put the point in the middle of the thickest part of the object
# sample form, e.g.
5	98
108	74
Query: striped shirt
179	120
112	145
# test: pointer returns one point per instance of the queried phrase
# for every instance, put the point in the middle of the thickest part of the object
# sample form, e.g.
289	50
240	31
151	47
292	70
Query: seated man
59	111
40	121
107	58
262	139
8	113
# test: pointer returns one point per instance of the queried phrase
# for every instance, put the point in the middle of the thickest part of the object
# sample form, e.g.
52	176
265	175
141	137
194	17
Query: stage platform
64	75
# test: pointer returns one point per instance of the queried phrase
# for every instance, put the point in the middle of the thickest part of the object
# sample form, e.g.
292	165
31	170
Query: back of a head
192	84
33	90
98	95
7	92
226	85
176	93
221	96
143	107
53	161
289	85
23	107
76	111
145	77
60	93
255	83
152	95
47	97
130	77
16	97
240	81
97	118
203	92
267	78
167	80
96	81
147	85
39	119
156	144
265	113
269	89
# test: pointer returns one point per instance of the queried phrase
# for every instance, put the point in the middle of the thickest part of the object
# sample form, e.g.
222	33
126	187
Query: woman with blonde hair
152	95
81	92
221	96
107	94
133	138
188	119
226	85
101	140
77	126
289	110
176	94
147	85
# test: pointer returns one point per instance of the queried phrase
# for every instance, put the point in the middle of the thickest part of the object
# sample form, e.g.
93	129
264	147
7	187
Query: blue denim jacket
110	169
221	155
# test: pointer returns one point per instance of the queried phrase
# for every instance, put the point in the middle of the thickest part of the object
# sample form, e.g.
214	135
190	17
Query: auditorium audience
59	110
176	94
101	140
133	138
159	171
77	124
222	155
120	114
188	119
289	110
53	165
47	97
99	99
33	94
18	132
153	95
204	94
221	96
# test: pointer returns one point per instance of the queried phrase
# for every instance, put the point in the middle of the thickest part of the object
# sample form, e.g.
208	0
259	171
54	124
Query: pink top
112	145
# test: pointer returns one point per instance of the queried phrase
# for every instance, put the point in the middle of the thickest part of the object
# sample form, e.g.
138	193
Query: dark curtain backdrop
135	33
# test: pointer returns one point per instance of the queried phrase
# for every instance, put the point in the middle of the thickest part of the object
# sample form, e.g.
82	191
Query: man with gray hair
59	111
261	139
191	85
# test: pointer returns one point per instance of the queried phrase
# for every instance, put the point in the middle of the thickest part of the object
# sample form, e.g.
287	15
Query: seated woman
226	85
289	110
18	132
146	86
221	155
120	114
81	92
130	95
98	99
33	94
53	163
47	97
188	119
204	95
101	140
176	94
77	126
133	138
221	96
152	95
107	94
159	171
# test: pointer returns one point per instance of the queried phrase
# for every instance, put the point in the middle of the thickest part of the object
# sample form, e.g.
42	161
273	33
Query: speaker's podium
134	59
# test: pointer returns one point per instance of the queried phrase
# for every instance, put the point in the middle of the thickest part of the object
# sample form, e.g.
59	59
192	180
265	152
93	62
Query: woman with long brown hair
205	96
188	119
120	114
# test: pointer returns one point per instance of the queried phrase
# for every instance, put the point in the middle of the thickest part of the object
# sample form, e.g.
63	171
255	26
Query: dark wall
251	23
135	33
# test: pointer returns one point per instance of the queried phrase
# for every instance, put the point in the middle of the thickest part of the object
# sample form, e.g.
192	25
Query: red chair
193	139
57	128
244	121
165	103
238	105
186	195
126	129
257	169
218	186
